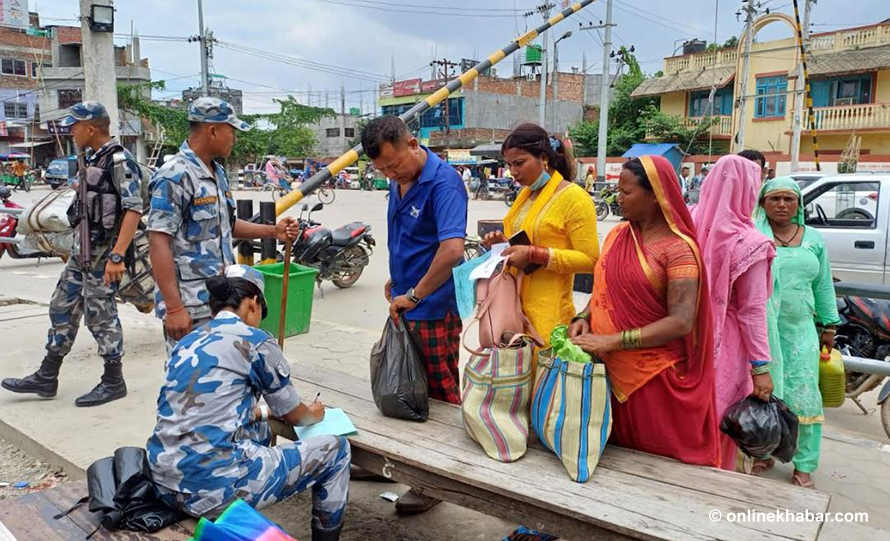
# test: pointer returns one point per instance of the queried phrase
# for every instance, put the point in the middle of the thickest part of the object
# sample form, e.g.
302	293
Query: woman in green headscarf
803	297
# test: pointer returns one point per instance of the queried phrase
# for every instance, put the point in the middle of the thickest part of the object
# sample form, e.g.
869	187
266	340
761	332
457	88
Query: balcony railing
853	117
723	128
872	36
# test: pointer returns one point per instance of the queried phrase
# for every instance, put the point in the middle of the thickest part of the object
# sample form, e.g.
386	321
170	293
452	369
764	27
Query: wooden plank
637	507
30	518
65	495
744	488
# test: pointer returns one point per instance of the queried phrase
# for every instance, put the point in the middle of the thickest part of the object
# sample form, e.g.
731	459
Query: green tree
283	133
664	128
627	115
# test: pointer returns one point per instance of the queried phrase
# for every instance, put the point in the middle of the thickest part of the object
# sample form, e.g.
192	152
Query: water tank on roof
532	55
694	46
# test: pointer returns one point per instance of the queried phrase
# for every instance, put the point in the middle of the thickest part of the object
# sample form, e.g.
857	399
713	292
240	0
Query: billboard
406	88
467	64
14	13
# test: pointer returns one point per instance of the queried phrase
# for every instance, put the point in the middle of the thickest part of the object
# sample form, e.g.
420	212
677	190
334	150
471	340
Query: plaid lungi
439	344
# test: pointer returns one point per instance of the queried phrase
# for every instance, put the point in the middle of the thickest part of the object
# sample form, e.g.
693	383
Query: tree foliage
285	133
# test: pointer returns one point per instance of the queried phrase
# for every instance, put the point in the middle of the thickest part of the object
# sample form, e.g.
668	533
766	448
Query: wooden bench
631	495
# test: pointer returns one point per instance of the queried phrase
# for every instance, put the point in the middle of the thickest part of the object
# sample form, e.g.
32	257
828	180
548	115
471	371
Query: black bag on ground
398	374
753	425
122	491
788	441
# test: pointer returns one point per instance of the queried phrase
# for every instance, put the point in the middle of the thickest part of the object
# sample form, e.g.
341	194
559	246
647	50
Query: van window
843	205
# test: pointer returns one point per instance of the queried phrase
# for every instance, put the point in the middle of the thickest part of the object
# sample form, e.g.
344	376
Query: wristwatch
412	297
116	258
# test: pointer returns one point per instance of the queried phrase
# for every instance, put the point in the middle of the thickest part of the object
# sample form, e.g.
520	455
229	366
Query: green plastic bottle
831	378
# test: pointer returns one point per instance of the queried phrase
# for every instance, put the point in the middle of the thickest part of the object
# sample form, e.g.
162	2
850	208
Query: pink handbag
499	312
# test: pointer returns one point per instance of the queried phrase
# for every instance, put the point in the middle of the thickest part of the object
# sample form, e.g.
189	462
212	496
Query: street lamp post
555	79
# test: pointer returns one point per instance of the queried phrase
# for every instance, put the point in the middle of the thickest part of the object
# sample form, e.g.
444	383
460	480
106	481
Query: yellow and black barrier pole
811	116
318	179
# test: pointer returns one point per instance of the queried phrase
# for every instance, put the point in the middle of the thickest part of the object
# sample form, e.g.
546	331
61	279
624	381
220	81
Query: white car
852	211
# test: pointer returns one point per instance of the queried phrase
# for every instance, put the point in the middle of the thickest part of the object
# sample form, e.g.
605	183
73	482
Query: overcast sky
357	39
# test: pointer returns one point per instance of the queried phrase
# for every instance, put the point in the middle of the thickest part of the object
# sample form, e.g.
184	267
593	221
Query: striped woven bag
571	413
496	393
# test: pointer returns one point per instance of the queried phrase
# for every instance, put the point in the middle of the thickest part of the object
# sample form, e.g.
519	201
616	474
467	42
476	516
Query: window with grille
771	97
67	98
15	110
332	132
349	132
11	66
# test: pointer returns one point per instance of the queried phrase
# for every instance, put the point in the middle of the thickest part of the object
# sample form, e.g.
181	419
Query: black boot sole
41	394
117	396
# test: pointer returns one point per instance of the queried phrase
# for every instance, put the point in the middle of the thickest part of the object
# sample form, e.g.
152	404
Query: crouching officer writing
192	219
211	442
113	207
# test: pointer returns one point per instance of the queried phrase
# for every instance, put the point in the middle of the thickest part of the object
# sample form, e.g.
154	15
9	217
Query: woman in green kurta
803	297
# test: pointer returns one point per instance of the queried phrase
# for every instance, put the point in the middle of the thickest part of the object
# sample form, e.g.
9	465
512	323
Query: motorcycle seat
344	235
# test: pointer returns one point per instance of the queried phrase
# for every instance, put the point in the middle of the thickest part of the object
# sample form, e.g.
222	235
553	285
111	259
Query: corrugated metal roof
685	82
649	149
862	60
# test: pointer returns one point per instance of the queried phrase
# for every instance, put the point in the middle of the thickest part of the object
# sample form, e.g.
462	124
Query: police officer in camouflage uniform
211	443
192	219
114	184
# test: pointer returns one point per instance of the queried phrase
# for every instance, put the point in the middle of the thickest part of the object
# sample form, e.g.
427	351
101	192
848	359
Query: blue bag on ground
398	374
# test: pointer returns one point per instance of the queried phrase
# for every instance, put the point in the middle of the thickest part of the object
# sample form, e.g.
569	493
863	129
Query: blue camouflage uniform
194	205
207	450
78	293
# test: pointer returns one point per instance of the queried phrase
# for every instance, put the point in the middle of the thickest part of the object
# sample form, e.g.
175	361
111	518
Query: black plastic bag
788	442
753	425
398	374
122	491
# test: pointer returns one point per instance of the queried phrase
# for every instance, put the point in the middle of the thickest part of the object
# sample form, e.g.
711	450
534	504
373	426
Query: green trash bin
299	298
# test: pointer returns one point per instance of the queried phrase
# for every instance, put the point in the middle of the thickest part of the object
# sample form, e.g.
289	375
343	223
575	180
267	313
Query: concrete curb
32	447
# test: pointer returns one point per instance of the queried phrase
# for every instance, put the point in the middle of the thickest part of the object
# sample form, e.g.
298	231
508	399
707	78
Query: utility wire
421	12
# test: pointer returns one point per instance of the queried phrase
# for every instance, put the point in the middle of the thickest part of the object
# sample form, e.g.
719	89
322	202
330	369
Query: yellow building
849	74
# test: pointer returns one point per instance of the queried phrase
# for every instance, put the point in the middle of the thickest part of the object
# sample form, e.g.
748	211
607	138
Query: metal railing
853	117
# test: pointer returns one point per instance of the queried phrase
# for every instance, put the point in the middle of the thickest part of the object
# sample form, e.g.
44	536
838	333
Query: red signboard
406	88
431	86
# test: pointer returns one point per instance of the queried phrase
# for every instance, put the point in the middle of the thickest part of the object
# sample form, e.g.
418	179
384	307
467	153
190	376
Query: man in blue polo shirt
427	220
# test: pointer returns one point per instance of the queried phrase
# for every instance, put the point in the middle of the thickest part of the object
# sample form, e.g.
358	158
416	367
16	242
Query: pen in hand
316	398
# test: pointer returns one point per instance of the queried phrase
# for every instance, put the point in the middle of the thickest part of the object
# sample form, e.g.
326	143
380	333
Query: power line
420	12
438	6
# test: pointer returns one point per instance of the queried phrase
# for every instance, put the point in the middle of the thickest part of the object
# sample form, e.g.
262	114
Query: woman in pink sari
737	258
649	320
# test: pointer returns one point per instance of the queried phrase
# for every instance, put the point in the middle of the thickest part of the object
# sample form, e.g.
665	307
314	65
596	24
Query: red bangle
539	255
176	310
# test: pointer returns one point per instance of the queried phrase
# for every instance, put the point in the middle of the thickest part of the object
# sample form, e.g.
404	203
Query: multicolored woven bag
496	392
571	413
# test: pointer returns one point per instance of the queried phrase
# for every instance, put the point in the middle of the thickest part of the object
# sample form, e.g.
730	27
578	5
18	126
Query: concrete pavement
855	465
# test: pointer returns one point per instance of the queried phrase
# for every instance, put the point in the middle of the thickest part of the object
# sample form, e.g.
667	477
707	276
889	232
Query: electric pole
343	147
202	41
544	10
445	74
606	84
800	91
750	12
98	63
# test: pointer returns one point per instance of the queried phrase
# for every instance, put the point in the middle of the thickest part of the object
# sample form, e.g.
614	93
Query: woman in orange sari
649	320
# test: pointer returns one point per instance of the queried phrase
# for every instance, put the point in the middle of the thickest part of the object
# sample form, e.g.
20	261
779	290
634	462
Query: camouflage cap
87	110
247	273
215	110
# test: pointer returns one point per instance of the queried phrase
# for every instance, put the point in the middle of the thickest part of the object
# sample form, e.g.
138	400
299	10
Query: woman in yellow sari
560	220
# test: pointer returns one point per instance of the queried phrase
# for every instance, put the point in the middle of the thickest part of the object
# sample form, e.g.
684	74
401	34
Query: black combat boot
326	535
44	383
110	388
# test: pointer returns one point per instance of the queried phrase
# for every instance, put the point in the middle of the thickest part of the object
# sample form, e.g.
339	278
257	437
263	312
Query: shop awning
493	149
30	144
685	82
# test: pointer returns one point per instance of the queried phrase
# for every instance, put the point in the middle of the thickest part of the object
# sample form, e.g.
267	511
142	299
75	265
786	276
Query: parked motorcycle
607	202
340	255
865	332
8	224
511	193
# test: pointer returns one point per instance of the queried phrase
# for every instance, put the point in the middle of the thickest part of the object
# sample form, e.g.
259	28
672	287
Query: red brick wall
570	87
11	39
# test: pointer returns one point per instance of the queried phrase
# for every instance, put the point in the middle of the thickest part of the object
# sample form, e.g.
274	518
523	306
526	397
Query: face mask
542	181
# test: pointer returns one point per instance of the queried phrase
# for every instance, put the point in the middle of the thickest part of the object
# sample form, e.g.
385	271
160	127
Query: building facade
489	107
64	85
333	134
849	74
